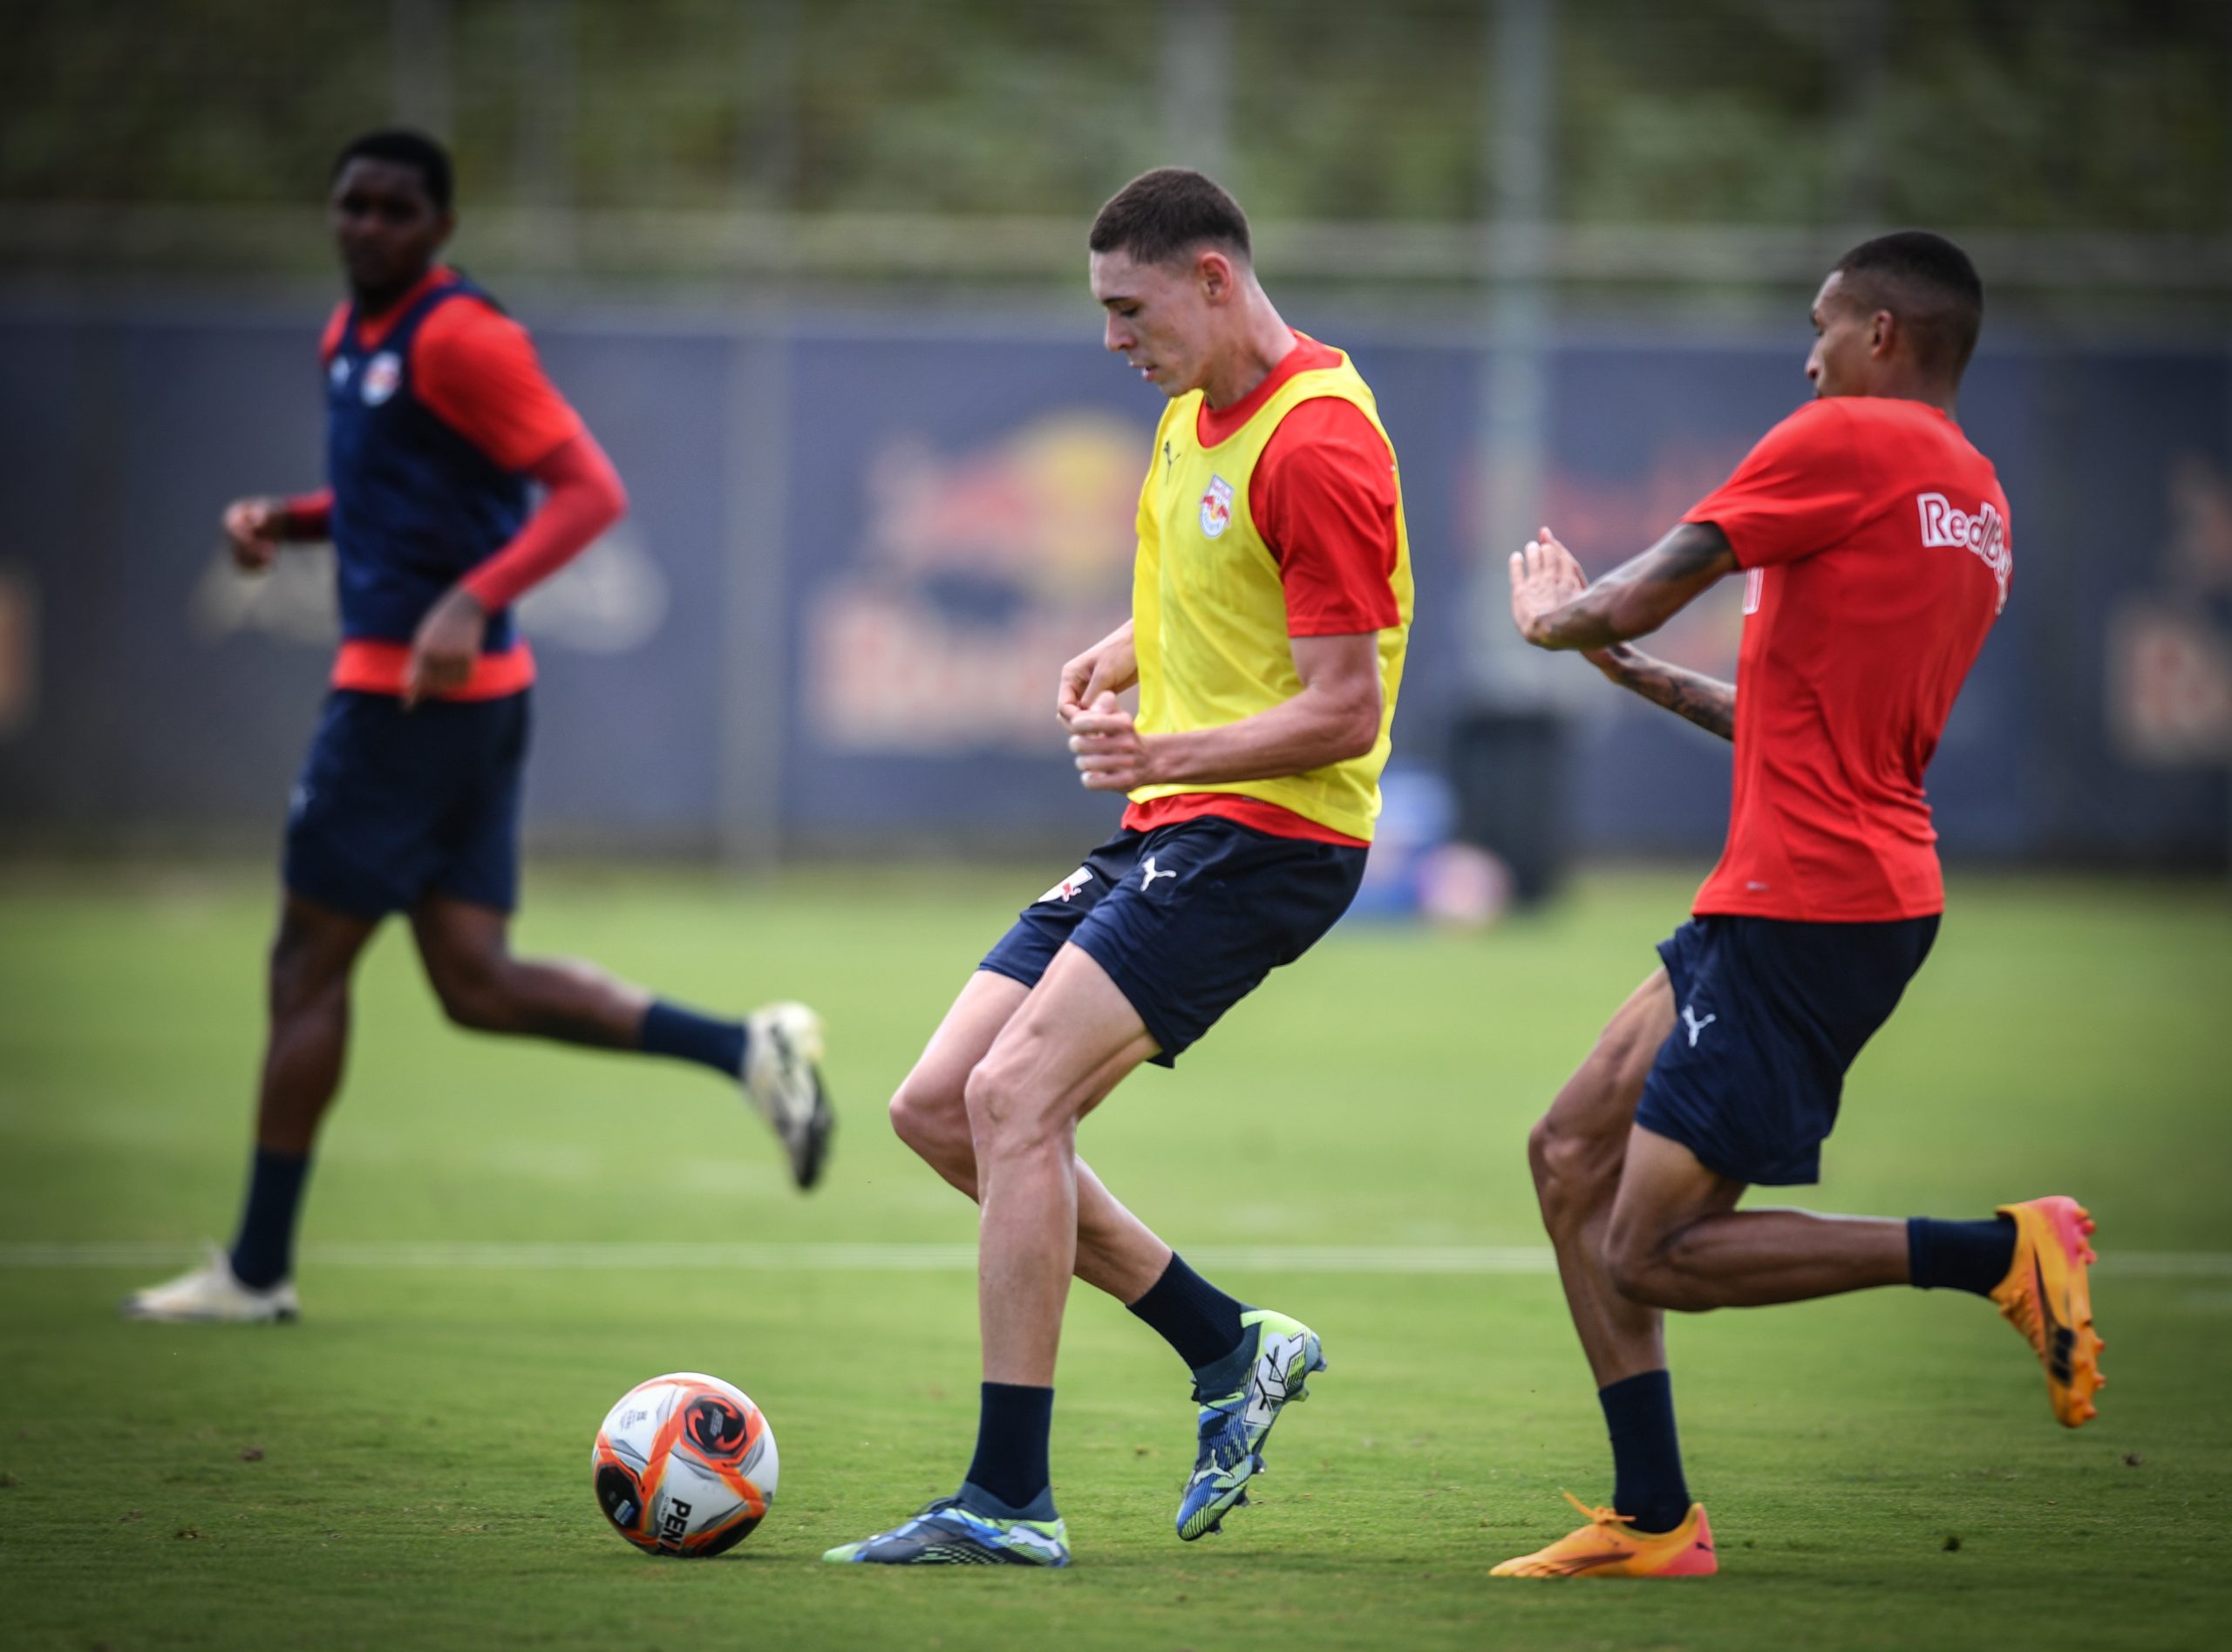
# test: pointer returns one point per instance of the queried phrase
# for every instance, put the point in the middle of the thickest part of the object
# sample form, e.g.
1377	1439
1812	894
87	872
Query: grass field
409	1464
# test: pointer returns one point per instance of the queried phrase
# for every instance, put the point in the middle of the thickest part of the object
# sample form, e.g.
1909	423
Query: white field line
920	1258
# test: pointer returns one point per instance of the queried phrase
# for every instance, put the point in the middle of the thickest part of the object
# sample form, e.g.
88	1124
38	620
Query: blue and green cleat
1234	1427
944	1533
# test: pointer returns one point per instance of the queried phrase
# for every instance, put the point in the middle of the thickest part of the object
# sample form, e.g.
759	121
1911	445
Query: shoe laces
1597	1516
930	1509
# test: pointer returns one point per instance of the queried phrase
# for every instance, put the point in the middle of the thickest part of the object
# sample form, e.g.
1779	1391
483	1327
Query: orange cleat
2048	1298
1605	1547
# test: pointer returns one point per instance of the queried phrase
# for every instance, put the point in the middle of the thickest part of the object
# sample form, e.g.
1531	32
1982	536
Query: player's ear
1882	334
1213	270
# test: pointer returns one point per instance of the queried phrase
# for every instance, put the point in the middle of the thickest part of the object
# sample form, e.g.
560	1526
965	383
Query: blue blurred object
1418	813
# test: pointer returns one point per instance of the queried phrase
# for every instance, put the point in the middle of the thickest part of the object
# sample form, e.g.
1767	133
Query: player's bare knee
1553	1157
1634	1262
930	1119
474	994
1650	1269
475	1012
1576	1172
1006	1116
1633	1273
989	1099
907	1120
296	985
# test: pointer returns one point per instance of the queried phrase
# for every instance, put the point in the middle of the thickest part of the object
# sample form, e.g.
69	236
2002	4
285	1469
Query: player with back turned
1271	605
1875	547
438	418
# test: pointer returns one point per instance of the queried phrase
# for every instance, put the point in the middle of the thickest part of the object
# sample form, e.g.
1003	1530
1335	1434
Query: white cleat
782	1079
212	1295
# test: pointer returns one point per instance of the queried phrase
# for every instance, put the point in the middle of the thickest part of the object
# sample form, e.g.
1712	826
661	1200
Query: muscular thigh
1598	1102
939	1079
314	950
1664	1189
1071	1041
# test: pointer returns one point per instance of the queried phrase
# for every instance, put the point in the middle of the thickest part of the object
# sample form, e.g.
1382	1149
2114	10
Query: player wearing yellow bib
1271	600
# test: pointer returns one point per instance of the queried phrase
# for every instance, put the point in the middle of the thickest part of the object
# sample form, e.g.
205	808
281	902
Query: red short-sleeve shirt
1877	552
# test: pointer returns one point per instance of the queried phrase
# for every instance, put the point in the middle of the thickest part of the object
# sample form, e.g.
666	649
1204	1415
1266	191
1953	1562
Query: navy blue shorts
1769	1015
1186	919
394	806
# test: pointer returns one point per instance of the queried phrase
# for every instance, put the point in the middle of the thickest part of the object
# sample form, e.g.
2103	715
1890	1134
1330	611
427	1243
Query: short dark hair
1162	216
1929	283
408	149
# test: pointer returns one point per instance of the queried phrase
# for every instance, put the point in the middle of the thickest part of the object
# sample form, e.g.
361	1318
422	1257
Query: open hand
1544	578
1111	754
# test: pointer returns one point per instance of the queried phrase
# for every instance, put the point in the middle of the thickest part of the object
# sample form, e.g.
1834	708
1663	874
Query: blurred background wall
814	273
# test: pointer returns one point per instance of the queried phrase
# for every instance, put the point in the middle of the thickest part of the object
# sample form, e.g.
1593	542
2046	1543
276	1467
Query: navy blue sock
669	1029
1013	1425
1646	1455
1959	1255
1198	1320
263	1249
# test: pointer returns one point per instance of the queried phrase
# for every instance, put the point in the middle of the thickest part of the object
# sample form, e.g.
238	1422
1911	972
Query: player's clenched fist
253	528
1110	666
1111	754
1544	578
448	641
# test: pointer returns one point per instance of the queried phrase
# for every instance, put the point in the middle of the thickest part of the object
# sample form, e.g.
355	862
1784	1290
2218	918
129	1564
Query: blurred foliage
2018	114
1979	113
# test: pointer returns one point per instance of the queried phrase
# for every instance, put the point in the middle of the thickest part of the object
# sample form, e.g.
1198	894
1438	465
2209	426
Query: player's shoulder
1826	433
1825	418
468	318
1918	437
1326	445
1323	421
1316	356
467	328
1328	395
329	340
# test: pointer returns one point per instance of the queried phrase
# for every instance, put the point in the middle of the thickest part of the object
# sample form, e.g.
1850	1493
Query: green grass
424	1433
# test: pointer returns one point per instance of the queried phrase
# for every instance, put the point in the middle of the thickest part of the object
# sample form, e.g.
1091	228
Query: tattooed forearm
1709	703
1638	596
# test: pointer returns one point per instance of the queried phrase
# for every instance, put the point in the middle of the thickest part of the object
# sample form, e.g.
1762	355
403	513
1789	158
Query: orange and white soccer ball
685	1464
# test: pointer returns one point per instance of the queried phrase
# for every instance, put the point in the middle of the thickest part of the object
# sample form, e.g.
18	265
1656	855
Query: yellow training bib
1209	614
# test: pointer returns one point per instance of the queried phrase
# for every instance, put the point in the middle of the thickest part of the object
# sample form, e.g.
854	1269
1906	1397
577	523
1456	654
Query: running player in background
439	418
1270	608
1875	544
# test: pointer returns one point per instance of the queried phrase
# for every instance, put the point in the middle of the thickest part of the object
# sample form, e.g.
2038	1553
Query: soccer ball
685	1464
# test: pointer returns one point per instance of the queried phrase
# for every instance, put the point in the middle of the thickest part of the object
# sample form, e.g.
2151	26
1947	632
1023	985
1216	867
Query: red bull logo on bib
1216	506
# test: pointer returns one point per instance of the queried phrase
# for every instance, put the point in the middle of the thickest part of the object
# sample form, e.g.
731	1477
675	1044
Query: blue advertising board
858	550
